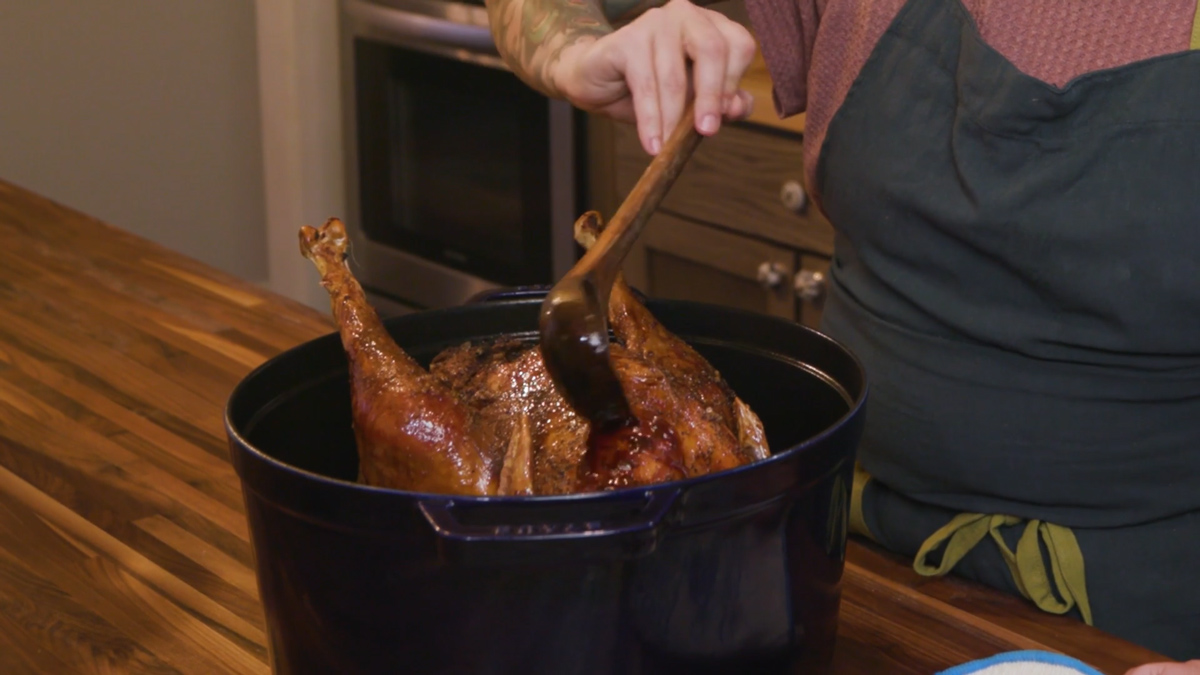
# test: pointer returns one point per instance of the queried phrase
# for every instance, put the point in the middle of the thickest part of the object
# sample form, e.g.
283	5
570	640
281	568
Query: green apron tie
858	523
1196	28
1056	592
1026	563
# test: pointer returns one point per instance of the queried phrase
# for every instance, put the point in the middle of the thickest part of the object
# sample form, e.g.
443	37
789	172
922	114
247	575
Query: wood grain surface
123	543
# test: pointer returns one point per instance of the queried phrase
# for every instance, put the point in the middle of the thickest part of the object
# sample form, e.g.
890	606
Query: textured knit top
814	49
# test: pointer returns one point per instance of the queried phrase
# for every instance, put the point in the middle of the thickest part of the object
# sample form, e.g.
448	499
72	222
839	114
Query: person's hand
1189	668
640	72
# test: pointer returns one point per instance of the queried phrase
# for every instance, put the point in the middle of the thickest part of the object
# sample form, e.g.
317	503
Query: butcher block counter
123	542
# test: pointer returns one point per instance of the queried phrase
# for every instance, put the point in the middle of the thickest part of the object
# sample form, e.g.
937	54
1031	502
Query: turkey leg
413	432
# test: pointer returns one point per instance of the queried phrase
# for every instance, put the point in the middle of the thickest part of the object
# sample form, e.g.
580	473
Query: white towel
1024	663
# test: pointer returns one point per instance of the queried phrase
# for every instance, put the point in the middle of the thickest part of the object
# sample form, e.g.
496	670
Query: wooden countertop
123	543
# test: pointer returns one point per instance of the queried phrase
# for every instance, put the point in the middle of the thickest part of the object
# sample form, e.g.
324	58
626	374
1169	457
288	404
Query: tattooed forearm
531	34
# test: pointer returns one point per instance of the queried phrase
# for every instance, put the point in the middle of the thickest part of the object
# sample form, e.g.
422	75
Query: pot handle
624	537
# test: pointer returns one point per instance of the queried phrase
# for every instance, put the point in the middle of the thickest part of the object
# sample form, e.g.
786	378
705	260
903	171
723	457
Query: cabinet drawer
736	180
681	260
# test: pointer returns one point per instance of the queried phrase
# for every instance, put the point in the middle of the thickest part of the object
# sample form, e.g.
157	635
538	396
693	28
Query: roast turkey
487	419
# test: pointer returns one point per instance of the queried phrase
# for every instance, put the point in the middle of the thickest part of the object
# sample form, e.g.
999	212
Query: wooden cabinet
736	180
736	229
683	260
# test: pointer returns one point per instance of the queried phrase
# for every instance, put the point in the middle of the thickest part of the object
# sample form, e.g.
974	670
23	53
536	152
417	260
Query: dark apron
1018	267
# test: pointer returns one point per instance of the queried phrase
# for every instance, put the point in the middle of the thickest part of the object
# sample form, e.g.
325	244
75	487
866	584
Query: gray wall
143	113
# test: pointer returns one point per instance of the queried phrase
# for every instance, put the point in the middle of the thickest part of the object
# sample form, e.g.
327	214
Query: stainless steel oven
461	177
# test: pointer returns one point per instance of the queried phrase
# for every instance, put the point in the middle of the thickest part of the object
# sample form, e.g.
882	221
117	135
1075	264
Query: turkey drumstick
413	432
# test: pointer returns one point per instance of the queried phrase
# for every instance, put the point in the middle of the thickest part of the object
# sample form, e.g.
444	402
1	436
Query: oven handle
404	26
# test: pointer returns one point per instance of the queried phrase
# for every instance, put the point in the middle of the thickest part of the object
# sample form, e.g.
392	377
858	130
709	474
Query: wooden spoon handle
604	258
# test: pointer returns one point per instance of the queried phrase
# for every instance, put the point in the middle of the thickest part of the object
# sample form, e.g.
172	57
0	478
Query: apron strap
858	522
1056	591
1026	564
1196	28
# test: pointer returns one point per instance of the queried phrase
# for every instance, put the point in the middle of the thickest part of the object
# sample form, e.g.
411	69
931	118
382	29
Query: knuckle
571	89
680	7
710	45
642	89
671	72
745	48
673	84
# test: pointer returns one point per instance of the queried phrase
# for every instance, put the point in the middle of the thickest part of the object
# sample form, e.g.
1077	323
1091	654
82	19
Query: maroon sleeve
786	31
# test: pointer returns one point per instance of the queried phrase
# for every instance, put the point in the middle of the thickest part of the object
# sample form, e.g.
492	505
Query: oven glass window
454	163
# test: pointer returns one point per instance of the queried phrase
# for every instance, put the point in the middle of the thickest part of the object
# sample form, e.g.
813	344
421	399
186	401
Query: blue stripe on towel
1017	658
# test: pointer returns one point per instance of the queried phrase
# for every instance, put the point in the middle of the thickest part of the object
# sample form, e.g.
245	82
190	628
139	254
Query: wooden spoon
574	318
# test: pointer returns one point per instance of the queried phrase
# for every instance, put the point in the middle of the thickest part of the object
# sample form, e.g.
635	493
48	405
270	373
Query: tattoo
531	34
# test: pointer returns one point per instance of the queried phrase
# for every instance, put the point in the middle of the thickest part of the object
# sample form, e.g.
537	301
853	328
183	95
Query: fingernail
655	145
708	124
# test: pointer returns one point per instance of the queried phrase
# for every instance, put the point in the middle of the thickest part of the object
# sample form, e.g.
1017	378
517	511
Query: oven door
462	178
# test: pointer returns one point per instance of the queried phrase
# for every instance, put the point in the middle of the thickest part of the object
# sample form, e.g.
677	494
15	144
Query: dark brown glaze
648	449
507	379
640	452
704	444
413	432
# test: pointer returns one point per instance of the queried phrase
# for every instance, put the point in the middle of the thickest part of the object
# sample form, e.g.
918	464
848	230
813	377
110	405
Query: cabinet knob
793	196
771	275
810	285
